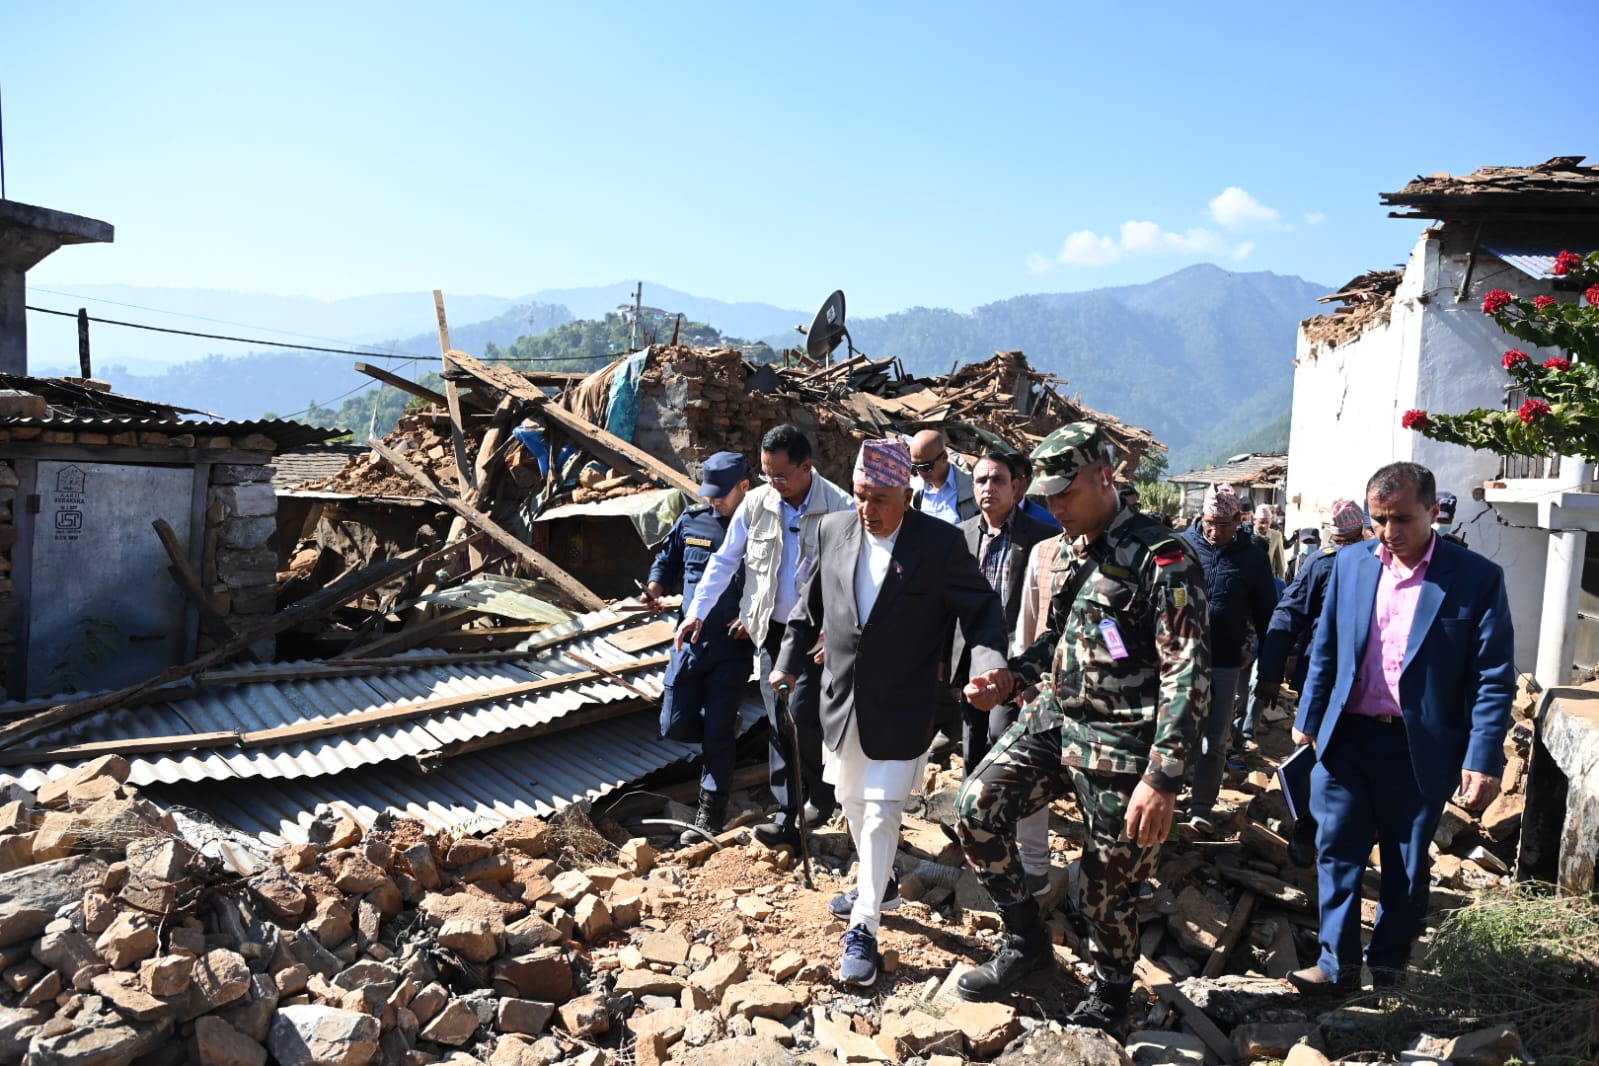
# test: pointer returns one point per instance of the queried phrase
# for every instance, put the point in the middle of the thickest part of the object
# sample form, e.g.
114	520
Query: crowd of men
1072	644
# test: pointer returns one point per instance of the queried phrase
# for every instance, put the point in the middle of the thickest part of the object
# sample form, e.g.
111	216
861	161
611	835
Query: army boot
1024	947
711	816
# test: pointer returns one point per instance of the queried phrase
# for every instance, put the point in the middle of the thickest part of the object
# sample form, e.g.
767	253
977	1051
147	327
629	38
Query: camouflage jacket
1124	669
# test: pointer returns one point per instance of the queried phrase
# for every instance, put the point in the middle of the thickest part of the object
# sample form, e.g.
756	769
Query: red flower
1542	302
1514	358
1565	261
1593	295
1533	410
1496	301
1415	419
1557	363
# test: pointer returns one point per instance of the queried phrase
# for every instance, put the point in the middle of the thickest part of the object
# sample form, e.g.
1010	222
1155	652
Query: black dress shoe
777	835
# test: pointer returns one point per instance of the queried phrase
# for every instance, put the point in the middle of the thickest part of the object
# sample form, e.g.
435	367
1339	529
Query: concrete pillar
13	322
1562	585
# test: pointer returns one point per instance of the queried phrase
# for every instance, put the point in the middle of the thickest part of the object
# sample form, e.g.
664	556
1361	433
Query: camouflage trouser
1022	773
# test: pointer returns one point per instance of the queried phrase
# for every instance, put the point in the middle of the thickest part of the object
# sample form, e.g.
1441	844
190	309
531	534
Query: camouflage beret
1065	453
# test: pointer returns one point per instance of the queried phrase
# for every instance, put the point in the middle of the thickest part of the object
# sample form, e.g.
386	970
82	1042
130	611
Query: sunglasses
927	467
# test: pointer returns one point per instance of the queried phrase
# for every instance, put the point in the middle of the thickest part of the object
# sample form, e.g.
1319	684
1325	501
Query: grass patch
1524	956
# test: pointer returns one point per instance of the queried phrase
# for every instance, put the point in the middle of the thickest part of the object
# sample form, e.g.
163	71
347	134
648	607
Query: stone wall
241	552
238	561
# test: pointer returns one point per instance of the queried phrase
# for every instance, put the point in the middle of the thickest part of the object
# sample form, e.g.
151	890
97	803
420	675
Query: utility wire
197	318
308	347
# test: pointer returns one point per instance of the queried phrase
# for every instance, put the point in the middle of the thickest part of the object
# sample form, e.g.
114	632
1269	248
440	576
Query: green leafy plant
1559	414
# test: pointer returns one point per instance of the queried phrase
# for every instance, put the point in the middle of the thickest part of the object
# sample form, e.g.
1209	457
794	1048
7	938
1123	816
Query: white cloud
1242	251
1235	209
1135	238
1315	218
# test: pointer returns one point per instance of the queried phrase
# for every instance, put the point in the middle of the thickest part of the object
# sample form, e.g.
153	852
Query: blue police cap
723	471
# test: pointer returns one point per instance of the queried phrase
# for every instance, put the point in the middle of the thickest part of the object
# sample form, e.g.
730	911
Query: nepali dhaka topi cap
1221	503
1347	516
1064	454
884	463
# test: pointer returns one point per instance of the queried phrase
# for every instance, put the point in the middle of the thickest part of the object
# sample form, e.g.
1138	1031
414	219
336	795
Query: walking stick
786	714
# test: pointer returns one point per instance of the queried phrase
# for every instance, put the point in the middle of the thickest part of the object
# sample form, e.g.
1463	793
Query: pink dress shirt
1398	591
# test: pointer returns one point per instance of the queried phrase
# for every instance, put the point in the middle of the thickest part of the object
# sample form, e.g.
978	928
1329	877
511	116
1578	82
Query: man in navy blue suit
1407	701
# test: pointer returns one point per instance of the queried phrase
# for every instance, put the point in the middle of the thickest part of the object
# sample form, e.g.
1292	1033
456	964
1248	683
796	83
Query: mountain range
1202	357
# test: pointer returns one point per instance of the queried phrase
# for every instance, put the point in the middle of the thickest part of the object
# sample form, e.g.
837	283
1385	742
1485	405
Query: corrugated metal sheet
1533	262
246	706
509	597
1249	470
479	791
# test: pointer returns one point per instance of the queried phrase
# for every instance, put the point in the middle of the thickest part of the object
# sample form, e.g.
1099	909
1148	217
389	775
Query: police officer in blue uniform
1292	623
705	681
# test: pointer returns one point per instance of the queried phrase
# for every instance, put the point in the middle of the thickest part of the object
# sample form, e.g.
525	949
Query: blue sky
912	154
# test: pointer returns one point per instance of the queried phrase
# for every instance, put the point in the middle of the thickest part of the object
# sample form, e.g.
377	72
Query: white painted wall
1436	354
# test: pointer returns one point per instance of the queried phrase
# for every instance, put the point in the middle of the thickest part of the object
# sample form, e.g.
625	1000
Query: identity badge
1113	639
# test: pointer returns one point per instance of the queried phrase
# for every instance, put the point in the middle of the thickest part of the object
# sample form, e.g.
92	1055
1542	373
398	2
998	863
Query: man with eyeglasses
772	537
940	489
1242	592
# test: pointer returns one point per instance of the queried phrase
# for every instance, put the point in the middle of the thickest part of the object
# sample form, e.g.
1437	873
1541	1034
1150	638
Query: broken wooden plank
636	640
356	721
570	586
1237	923
189	582
604	444
403	384
1159	982
1272	888
452	401
410	636
313	606
600	669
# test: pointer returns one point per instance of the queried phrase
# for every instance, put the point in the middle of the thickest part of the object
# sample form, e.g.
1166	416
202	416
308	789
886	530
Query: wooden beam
356	721
1159	982
410	636
313	606
189	583
452	400
403	384
574	589
601	442
1236	924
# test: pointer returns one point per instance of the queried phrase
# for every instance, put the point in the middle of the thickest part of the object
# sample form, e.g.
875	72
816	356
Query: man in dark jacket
1000	538
1242	591
889	585
1292	625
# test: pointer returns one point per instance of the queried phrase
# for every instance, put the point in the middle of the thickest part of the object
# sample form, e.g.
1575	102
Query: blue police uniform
706	678
1294	618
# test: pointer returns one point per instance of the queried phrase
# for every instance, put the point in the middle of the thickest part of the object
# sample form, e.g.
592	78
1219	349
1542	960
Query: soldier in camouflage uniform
1122	669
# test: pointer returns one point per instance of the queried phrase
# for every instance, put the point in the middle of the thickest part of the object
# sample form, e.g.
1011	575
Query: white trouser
873	794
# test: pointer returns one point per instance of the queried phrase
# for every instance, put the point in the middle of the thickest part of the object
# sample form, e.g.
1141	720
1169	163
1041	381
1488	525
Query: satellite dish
828	328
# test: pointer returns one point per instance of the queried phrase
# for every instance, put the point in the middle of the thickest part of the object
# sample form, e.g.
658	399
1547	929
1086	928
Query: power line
308	347
198	318
217	336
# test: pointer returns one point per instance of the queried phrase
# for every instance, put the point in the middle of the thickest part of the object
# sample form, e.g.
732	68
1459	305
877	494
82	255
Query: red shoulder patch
1168	558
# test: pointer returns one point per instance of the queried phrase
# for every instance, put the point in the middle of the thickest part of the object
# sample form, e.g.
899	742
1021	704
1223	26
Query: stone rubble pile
543	943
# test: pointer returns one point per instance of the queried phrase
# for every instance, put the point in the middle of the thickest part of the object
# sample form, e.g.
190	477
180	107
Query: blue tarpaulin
621	407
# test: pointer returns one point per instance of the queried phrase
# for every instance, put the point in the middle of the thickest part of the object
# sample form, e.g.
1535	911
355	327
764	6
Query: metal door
103	612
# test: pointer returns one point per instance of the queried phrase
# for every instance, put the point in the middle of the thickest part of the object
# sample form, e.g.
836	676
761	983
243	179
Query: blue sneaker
860	957
843	904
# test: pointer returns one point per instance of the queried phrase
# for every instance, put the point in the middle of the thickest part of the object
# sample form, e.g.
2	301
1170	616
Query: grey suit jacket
884	669
1025	531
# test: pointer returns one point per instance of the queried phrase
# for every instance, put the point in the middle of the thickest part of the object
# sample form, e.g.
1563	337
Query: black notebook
1293	775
